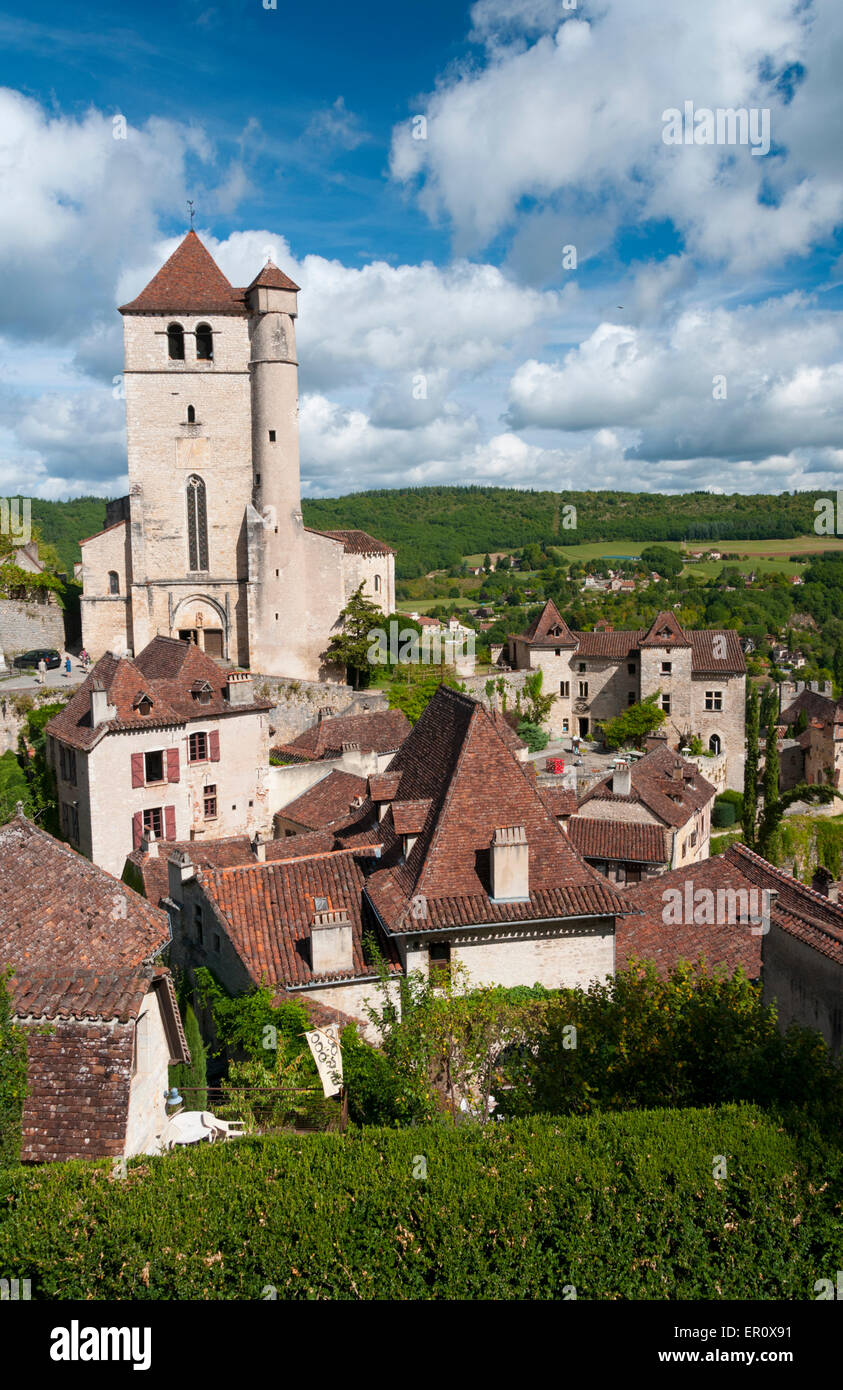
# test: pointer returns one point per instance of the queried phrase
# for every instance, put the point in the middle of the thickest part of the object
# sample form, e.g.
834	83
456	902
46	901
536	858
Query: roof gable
551	627
664	631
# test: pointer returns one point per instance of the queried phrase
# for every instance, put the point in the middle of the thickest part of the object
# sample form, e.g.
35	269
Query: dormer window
143	705
201	692
175	342
204	343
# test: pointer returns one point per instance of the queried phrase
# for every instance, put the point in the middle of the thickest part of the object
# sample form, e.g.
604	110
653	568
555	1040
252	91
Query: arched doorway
201	620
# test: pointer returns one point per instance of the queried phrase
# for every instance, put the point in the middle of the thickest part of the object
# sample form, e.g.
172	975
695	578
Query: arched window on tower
197	524
204	342
377	583
175	342
714	743
113	582
191	415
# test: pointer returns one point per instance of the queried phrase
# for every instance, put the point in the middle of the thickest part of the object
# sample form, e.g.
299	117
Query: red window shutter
172	764
169	822
214	745
137	770
137	829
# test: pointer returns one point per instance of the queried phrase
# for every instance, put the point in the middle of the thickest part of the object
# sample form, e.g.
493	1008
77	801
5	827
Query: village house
661	790
452	856
821	743
378	731
739	910
167	744
699	678
625	851
100	1014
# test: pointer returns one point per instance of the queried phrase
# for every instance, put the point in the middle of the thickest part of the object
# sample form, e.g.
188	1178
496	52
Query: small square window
272	436
631	668
667	667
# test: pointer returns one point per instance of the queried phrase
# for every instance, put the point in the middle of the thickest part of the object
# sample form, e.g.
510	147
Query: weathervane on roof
192	213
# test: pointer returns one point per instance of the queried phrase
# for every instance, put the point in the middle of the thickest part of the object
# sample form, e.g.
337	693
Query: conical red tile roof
273	279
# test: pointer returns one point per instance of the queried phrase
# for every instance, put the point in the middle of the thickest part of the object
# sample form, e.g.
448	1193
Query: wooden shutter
214	745
172	764
137	770
137	826
169	822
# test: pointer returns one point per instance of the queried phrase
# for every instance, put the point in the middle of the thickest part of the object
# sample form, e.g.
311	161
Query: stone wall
14	708
29	624
298	702
805	985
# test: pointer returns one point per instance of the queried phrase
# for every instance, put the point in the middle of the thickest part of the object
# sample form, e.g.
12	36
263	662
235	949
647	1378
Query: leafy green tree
821	794
635	724
414	694
750	781
771	770
538	706
13	1084
350	647
663	560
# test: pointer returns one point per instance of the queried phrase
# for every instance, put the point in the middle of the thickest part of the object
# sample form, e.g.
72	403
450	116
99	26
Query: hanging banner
324	1043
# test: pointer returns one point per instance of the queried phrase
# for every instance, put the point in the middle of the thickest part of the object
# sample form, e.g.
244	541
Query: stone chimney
101	710
240	688
180	871
331	943
326	712
149	845
510	864
622	779
259	847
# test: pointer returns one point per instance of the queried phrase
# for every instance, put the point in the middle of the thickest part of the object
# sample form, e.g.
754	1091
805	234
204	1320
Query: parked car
49	655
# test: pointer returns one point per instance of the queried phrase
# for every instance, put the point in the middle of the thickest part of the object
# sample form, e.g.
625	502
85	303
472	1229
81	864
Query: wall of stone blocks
24	625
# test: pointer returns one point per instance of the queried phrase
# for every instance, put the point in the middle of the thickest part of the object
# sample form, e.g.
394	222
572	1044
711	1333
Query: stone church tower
210	544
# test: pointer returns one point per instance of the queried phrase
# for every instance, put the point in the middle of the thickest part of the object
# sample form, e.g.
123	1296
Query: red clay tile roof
456	759
355	542
506	731
326	803
409	817
816	706
664	630
673	800
560	801
630	841
716	652
82	947
166	669
549	629
615	646
273	279
378	731
798	910
190	282
649	937
383	786
267	911
152	874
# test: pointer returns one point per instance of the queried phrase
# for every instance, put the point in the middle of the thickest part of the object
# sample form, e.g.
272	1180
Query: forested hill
434	527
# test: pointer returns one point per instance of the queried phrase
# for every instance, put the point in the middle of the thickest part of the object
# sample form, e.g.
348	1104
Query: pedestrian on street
41	673
67	665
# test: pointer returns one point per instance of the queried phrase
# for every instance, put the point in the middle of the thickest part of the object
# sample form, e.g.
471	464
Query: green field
763	556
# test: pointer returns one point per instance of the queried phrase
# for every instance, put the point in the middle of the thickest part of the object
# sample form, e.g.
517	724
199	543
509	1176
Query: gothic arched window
204	342
113	582
197	524
175	342
714	743
377	583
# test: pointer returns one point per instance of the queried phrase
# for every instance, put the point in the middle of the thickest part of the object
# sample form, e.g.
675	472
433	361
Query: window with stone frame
209	801
583	690
666	704
714	699
67	761
197	525
564	689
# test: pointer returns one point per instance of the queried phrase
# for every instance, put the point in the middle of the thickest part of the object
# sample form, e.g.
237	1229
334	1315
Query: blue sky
441	260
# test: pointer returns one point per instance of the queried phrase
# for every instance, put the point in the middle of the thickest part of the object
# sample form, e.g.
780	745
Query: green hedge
619	1206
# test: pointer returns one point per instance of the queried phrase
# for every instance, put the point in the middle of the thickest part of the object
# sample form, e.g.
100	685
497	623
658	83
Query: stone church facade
210	544
698	677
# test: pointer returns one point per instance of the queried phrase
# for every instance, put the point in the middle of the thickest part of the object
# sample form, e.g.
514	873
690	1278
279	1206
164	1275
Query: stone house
625	851
698	676
378	731
100	1013
452	856
165	744
798	957
822	741
210	543
330	802
660	790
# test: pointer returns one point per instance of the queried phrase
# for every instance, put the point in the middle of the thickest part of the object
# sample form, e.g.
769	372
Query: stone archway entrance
202	621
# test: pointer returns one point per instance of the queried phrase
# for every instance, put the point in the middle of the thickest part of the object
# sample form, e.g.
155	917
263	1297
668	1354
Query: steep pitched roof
560	801
669	786
615	646
326	803
630	841
167	670
716	652
268	911
550	629
456	760
272	278
190	282
816	706
664	631
377	731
